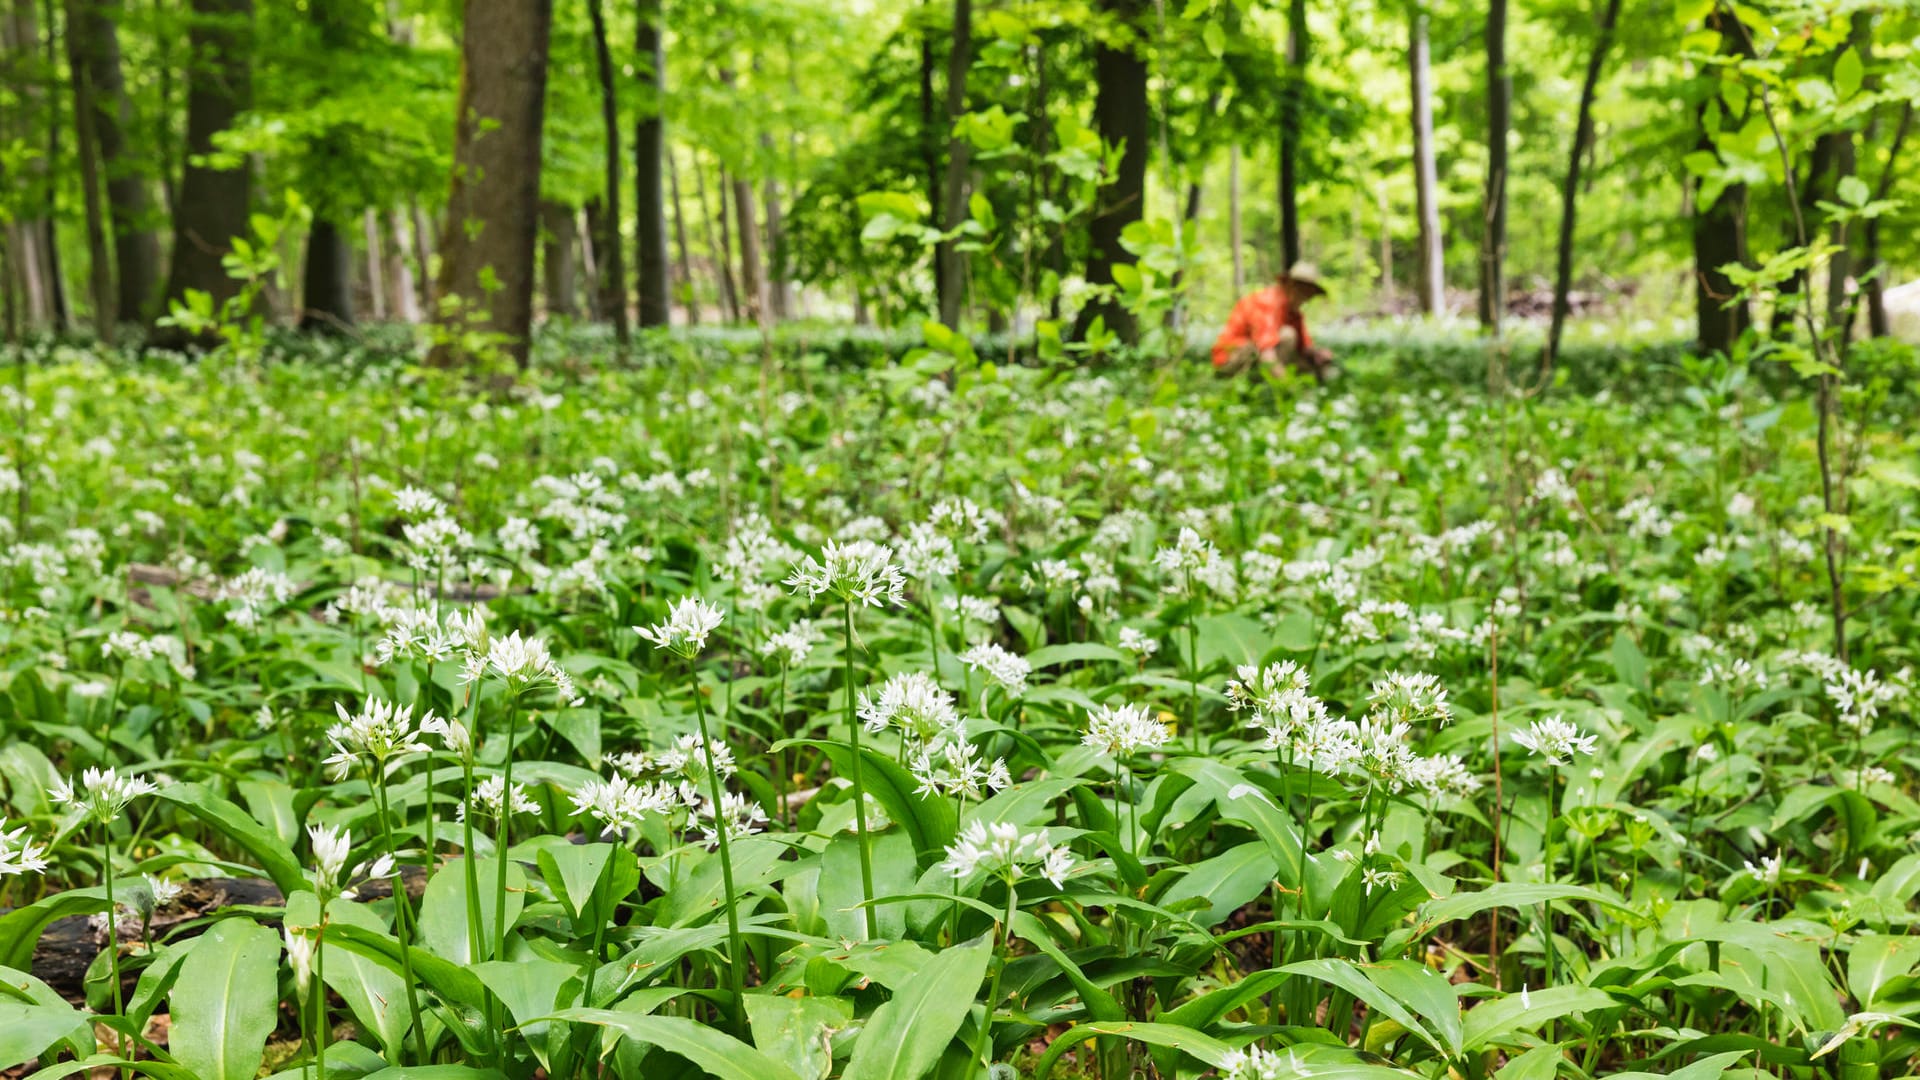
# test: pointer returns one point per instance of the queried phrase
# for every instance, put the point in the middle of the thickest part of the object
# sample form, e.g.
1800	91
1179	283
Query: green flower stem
320	1031
859	789
402	917
113	940
736	968
983	1043
505	837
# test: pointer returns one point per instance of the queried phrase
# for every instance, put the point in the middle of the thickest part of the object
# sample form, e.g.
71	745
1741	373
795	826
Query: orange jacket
1256	321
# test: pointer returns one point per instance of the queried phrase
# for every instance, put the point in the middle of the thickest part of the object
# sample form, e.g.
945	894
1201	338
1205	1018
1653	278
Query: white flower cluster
1004	850
1007	669
689	621
1555	739
858	572
102	795
933	735
376	735
1125	730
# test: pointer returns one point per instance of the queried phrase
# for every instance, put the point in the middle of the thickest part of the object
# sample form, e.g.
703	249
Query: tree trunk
689	298
487	248
326	304
214	204
603	240
99	258
1878	324
720	245
930	150
557	259
402	302
610	272
649	196
1120	113
1233	218
376	265
92	32
587	225
953	202
779	289
1493	244
1840	268
1290	137
33	263
1385	207
1426	180
1570	191
1719	227
753	283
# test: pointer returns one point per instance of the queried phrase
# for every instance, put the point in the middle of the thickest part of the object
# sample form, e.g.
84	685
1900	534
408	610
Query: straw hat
1305	274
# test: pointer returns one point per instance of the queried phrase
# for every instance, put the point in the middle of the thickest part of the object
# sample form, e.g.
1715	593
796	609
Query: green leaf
1852	190
431	1072
1082	651
225	1003
1707	1068
1226	639
1878	959
27	1031
1497	1022
1204	1047
719	1054
1848	72
374	995
930	822
1511	894
20	929
443	907
798	1032
1358	980
1227	881
906	1036
274	857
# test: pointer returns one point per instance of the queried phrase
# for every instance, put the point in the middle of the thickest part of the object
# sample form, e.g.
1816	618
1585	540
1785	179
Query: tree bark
326	304
953	202
720	245
557	259
930	145
689	297
779	289
1570	191
1840	267
1233	218
91	30
1120	114
1719	228
30	245
1878	324
214	204
603	299
1290	136
753	282
376	265
1493	244
99	258
649	196
487	248
1433	264
402	302
610	272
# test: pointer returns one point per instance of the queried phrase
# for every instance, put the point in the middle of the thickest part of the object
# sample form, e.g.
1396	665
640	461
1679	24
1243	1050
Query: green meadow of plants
835	717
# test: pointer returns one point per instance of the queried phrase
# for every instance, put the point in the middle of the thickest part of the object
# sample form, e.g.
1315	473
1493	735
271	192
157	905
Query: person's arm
1239	332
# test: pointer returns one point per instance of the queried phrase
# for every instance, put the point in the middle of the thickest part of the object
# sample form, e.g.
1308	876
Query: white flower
381	731
913	703
687	759
19	855
954	767
415	503
927	555
1254	1063
102	794
1123	731
858	572
330	849
739	815
1188	553
489	794
1133	641
453	734
1768	872
1555	739
620	805
689	621
1001	666
792	646
1002	849
1413	698
525	662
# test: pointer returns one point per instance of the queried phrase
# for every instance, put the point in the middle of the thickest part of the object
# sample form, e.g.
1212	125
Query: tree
487	247
1120	114
1290	131
649	194
1719	225
327	286
953	205
94	40
215	198
609	267
1493	241
1432	279
99	261
1570	191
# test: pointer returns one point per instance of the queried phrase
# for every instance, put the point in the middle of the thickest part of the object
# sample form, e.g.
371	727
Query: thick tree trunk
214	204
1290	137
487	248
610	272
29	247
1233	218
720	243
649	146
953	203
1120	113
91	29
1493	243
753	281
1719	229
99	258
1426	179
376	265
689	296
1878	324
403	303
326	304
557	260
930	150
605	301
1570	190
779	288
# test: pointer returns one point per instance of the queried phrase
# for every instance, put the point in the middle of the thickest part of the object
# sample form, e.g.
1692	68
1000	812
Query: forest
959	539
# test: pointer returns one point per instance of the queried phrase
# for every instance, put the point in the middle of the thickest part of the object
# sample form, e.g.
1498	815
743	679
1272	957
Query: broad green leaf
1357	980
1499	1021
905	1036
1511	894
20	929
930	822
444	918
27	1031
1877	959
1227	881
1707	1068
797	1031
1203	1047
274	857
226	1000
713	1051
